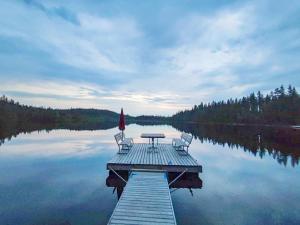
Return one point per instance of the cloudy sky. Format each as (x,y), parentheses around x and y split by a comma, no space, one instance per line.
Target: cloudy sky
(150,57)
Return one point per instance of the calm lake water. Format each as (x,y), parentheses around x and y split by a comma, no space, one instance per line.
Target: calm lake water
(59,177)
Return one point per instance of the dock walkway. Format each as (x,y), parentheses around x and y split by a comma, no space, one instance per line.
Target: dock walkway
(165,158)
(145,200)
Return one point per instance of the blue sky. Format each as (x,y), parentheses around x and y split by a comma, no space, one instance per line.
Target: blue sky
(150,57)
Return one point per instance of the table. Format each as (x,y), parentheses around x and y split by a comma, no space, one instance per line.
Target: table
(152,136)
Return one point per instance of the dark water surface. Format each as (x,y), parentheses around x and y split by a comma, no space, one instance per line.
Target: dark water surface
(250,176)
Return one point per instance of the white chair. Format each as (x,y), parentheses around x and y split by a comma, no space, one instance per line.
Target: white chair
(123,143)
(182,143)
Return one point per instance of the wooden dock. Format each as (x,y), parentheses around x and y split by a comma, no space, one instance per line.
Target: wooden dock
(145,200)
(146,197)
(164,158)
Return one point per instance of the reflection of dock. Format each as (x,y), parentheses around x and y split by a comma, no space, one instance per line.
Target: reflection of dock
(164,158)
(146,177)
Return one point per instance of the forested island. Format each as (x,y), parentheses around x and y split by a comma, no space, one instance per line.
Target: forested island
(279,107)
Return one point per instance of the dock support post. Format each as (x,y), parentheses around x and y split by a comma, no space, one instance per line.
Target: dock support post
(177,177)
(118,175)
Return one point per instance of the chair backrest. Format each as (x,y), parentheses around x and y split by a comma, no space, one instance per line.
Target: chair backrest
(187,138)
(118,137)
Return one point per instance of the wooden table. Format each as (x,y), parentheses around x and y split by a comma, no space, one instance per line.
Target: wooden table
(152,136)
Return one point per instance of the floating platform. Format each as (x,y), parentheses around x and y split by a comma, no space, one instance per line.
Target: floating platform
(164,158)
(145,200)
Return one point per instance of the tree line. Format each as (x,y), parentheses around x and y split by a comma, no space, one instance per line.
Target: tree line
(16,118)
(280,107)
(11,111)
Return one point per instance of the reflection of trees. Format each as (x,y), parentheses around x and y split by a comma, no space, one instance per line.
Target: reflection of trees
(12,130)
(279,142)
(6,133)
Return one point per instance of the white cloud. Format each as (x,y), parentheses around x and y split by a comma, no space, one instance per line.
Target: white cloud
(209,51)
(66,94)
(213,55)
(215,42)
(96,44)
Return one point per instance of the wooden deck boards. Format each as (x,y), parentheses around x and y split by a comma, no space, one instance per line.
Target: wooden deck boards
(164,158)
(145,200)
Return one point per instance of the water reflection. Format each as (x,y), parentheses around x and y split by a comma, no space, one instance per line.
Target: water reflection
(60,177)
(7,133)
(282,143)
(59,143)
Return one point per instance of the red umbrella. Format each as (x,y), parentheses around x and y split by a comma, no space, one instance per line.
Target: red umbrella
(122,122)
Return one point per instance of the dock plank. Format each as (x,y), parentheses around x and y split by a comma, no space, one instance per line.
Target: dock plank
(145,200)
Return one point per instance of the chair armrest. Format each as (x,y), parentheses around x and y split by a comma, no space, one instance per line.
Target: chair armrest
(173,141)
(131,139)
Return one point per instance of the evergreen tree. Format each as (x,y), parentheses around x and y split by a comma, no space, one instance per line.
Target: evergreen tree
(278,107)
